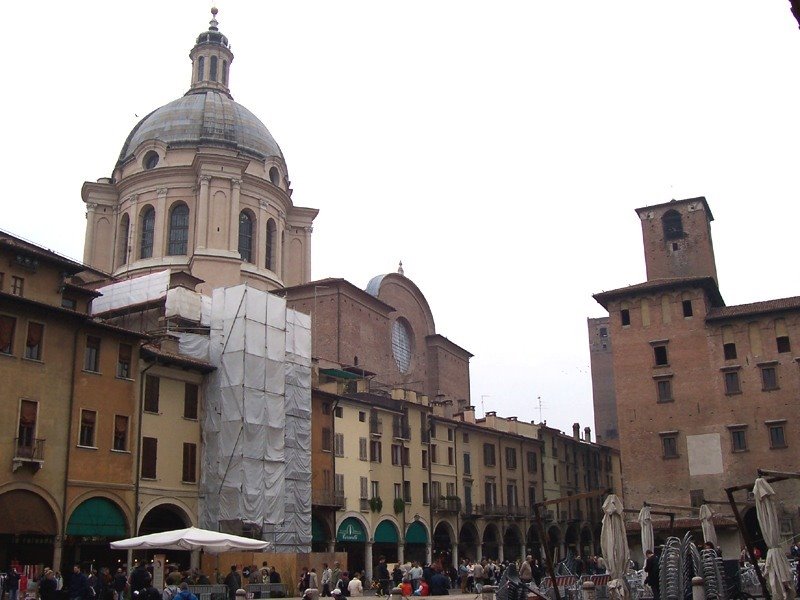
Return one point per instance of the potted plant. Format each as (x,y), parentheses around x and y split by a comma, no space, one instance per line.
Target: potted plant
(399,505)
(376,504)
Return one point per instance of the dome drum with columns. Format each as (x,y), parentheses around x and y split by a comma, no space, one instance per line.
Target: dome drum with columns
(200,185)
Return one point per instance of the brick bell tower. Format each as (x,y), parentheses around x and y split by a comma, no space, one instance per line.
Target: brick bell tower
(677,239)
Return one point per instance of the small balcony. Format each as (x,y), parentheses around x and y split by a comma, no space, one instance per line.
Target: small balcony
(471,511)
(517,511)
(375,427)
(446,505)
(28,452)
(363,504)
(328,498)
(401,432)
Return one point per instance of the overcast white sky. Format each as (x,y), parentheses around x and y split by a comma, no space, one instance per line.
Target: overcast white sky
(497,148)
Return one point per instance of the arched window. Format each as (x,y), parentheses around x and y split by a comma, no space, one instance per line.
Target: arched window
(122,240)
(274,176)
(148,224)
(225,72)
(272,230)
(673,225)
(201,68)
(178,230)
(246,236)
(213,75)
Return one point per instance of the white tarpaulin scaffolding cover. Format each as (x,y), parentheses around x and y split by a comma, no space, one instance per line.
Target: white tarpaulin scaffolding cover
(256,462)
(131,292)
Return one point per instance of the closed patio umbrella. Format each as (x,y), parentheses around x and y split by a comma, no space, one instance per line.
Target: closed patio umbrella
(706,522)
(614,545)
(777,573)
(646,525)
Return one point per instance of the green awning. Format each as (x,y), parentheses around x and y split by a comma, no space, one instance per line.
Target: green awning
(97,517)
(416,534)
(386,533)
(317,531)
(351,530)
(338,374)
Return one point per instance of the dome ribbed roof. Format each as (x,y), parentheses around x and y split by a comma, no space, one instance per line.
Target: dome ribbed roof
(207,117)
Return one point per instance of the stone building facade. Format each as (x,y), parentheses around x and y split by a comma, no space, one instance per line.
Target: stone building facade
(706,393)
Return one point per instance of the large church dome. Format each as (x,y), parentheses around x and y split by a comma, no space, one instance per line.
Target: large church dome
(207,114)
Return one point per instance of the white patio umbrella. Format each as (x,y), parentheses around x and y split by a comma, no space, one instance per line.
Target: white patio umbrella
(191,538)
(646,524)
(777,573)
(614,545)
(706,522)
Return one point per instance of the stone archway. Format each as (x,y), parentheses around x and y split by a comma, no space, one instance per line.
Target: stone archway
(533,542)
(491,541)
(164,517)
(443,541)
(28,528)
(587,542)
(571,539)
(512,543)
(468,544)
(554,542)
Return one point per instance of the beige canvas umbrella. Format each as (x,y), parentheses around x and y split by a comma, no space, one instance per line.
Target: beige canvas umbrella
(614,545)
(646,525)
(706,522)
(776,571)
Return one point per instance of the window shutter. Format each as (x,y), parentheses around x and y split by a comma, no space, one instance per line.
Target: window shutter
(189,462)
(190,401)
(6,333)
(35,331)
(151,393)
(149,457)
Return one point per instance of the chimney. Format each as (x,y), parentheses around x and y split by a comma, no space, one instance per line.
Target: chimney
(587,434)
(576,431)
(512,425)
(468,416)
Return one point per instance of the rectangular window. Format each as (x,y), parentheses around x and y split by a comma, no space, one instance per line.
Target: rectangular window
(424,459)
(406,457)
(189,463)
(729,350)
(338,412)
(625,317)
(783,343)
(151,393)
(327,441)
(533,463)
(407,491)
(362,448)
(363,487)
(120,433)
(465,438)
(425,493)
(26,431)
(362,416)
(467,464)
(70,303)
(739,440)
(769,378)
(433,430)
(17,285)
(660,355)
(338,482)
(451,489)
(7,326)
(338,444)
(87,430)
(732,385)
(490,493)
(375,451)
(531,495)
(687,308)
(395,454)
(434,454)
(664,389)
(468,497)
(777,435)
(511,458)
(449,435)
(398,491)
(149,457)
(603,332)
(511,494)
(326,408)
(33,343)
(669,446)
(91,355)
(488,455)
(124,361)
(450,456)
(190,401)
(376,489)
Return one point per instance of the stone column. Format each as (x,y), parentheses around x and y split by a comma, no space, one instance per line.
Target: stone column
(500,552)
(58,549)
(194,559)
(306,275)
(401,547)
(523,551)
(88,243)
(429,553)
(332,548)
(368,560)
(161,223)
(233,225)
(454,555)
(201,218)
(263,217)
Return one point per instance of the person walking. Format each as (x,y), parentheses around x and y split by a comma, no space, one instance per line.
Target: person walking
(526,571)
(651,568)
(12,584)
(78,585)
(326,580)
(382,574)
(233,581)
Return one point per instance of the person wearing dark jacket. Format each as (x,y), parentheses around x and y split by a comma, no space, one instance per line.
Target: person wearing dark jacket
(48,585)
(651,568)
(382,574)
(439,585)
(139,578)
(78,585)
(233,581)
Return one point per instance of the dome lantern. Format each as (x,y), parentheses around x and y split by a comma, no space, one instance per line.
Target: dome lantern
(211,60)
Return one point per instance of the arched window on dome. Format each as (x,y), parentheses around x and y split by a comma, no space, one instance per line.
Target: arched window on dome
(213,75)
(178,230)
(224,72)
(246,221)
(673,225)
(274,176)
(122,240)
(147,228)
(201,68)
(272,231)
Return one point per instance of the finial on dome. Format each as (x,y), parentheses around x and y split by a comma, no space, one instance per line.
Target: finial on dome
(212,24)
(400,268)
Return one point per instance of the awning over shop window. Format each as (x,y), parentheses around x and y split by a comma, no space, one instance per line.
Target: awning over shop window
(386,533)
(416,534)
(338,374)
(97,517)
(317,531)
(351,530)
(25,512)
